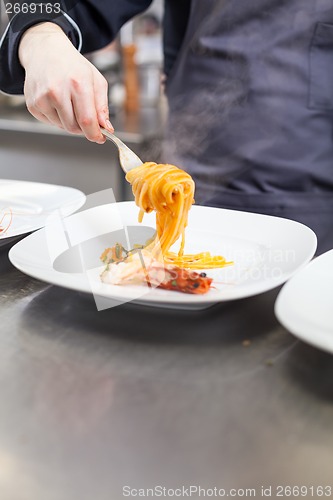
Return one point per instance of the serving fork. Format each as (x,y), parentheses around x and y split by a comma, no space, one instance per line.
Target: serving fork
(127,158)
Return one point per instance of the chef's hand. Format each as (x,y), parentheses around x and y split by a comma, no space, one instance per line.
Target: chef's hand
(61,86)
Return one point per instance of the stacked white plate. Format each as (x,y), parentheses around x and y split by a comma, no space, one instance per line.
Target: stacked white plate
(305,304)
(25,206)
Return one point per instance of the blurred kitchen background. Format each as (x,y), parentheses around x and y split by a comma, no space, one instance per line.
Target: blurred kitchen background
(30,150)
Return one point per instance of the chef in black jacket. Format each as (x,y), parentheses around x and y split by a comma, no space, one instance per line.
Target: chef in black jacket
(249,85)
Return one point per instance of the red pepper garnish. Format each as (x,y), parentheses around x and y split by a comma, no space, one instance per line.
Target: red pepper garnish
(183,280)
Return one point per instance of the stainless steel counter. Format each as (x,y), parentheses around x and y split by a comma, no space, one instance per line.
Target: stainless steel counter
(134,396)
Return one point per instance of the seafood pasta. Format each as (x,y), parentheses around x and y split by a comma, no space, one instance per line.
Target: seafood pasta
(169,191)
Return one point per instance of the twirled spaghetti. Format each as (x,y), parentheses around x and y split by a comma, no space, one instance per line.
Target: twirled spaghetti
(169,191)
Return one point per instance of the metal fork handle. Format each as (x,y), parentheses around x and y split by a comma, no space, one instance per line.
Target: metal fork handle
(128,159)
(113,138)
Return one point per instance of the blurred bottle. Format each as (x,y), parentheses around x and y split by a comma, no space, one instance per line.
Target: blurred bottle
(131,78)
(149,58)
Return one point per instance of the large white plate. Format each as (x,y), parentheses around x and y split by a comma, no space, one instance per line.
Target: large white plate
(28,204)
(305,304)
(266,251)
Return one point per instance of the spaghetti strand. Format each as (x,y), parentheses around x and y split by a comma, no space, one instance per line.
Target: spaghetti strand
(169,191)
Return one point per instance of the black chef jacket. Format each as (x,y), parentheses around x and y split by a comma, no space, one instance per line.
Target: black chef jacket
(90,25)
(250,96)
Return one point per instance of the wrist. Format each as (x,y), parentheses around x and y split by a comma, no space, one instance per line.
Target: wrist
(35,36)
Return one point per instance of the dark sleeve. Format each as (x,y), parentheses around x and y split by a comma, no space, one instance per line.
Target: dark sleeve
(89,24)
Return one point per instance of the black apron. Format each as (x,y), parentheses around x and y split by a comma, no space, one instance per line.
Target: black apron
(251,108)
